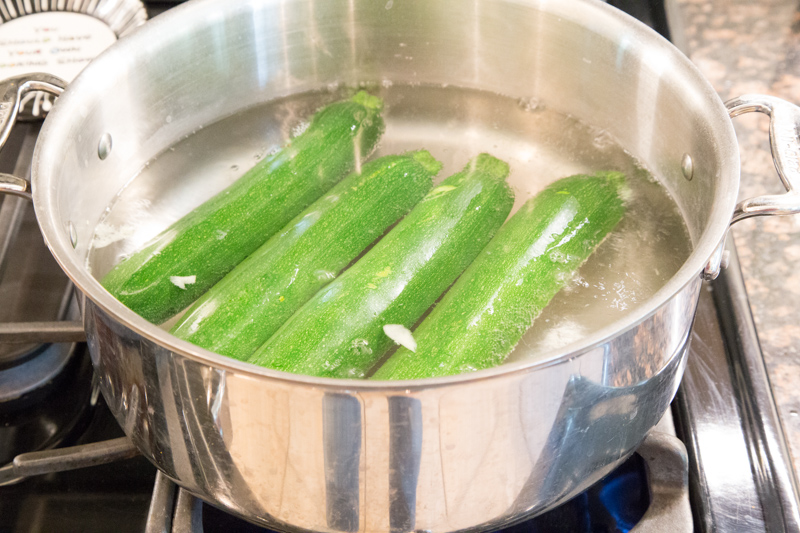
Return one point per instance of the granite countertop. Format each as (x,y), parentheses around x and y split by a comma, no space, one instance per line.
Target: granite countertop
(754,47)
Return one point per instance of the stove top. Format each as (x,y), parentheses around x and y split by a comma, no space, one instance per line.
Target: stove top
(721,466)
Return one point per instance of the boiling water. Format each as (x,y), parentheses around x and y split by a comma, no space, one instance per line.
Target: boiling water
(540,145)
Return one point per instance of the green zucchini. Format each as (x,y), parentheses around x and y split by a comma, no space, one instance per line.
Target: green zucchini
(339,332)
(243,310)
(185,260)
(486,312)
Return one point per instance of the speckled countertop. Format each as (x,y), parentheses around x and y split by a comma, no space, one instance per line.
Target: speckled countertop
(743,46)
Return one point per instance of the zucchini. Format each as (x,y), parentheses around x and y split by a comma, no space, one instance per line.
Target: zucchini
(339,332)
(486,312)
(185,260)
(246,307)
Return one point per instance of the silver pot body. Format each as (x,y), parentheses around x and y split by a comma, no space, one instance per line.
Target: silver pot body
(465,452)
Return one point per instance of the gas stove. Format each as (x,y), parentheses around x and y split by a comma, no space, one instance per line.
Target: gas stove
(717,462)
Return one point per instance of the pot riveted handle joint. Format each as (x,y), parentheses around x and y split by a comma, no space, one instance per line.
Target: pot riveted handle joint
(784,137)
(15,186)
(12,91)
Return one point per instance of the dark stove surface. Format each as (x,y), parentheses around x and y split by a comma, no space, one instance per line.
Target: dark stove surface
(113,497)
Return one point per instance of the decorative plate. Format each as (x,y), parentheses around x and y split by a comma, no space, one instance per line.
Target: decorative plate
(59,37)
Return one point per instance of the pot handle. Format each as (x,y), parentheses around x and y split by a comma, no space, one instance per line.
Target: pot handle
(784,138)
(12,91)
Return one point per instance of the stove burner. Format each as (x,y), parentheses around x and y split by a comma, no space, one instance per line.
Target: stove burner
(34,372)
(56,410)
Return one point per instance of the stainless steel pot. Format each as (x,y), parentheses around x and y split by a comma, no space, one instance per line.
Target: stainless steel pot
(466,452)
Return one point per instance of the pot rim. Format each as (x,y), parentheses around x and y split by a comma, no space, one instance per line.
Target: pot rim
(45,166)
